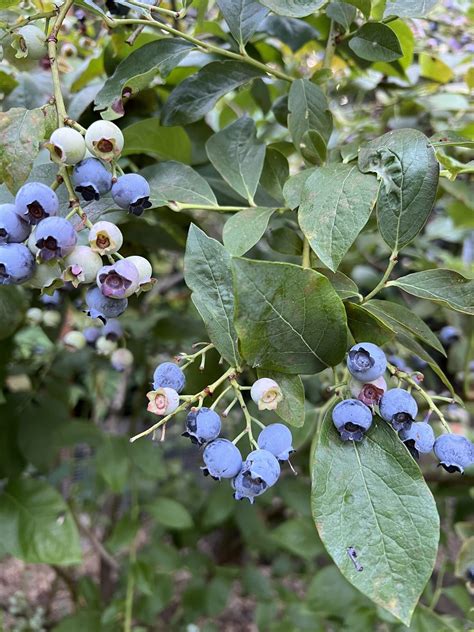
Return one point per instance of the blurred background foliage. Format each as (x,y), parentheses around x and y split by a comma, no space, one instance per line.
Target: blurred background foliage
(142,522)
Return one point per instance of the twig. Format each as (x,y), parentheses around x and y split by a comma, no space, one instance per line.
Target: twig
(392,262)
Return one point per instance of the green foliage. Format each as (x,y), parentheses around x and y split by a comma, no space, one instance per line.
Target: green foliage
(308,164)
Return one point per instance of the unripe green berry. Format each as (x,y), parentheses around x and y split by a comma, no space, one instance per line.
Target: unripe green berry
(67,146)
(82,265)
(105,140)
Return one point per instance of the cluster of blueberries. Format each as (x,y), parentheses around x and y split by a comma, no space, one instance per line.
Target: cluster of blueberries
(222,458)
(40,247)
(353,417)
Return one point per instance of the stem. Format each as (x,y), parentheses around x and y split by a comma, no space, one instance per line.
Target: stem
(192,358)
(208,390)
(176,15)
(330,46)
(414,384)
(29,19)
(248,418)
(220,396)
(306,263)
(210,48)
(52,40)
(206,207)
(392,262)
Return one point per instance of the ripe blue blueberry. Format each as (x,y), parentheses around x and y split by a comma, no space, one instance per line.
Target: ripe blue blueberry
(55,238)
(170,375)
(119,280)
(277,439)
(399,363)
(100,306)
(112,330)
(260,471)
(419,438)
(352,419)
(12,228)
(51,300)
(366,361)
(222,459)
(36,201)
(91,179)
(454,452)
(17,264)
(449,334)
(132,192)
(202,425)
(91,334)
(399,408)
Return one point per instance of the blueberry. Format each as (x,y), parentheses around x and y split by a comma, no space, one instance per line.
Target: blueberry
(454,452)
(202,425)
(30,41)
(12,228)
(449,334)
(51,300)
(105,140)
(36,201)
(366,361)
(121,359)
(369,393)
(277,439)
(82,265)
(119,280)
(91,179)
(352,419)
(470,574)
(222,459)
(74,340)
(399,408)
(132,192)
(113,330)
(162,401)
(419,438)
(55,238)
(91,334)
(399,363)
(266,393)
(17,264)
(169,374)
(144,271)
(260,471)
(105,238)
(99,306)
(66,146)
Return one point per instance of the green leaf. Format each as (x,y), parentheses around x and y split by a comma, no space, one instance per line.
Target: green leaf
(435,69)
(245,228)
(372,497)
(243,17)
(207,272)
(448,138)
(336,204)
(297,536)
(12,309)
(405,162)
(218,508)
(309,119)
(375,41)
(344,286)
(445,287)
(238,156)
(170,513)
(291,408)
(342,13)
(465,558)
(364,6)
(21,134)
(408,8)
(37,526)
(174,182)
(289,319)
(136,71)
(113,463)
(292,32)
(293,189)
(274,174)
(365,326)
(404,320)
(294,8)
(198,94)
(164,143)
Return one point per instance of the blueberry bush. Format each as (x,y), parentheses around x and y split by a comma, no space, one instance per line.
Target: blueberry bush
(250,223)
